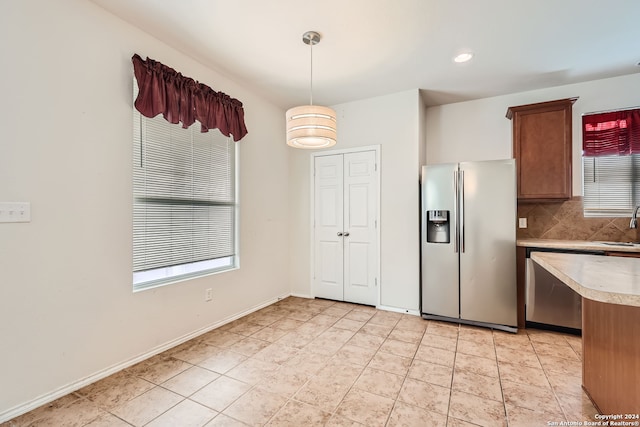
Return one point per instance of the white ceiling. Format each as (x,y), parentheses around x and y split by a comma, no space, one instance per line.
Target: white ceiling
(377,47)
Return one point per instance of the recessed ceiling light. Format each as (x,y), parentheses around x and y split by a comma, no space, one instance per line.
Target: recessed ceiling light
(463,57)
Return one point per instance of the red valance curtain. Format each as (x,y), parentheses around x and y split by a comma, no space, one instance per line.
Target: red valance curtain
(183,100)
(612,133)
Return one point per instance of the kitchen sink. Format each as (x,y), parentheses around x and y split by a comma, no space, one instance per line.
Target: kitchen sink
(620,243)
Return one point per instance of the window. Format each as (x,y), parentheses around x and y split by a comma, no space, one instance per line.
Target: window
(184,202)
(611,163)
(611,185)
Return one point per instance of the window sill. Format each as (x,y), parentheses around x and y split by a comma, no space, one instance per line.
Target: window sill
(143,285)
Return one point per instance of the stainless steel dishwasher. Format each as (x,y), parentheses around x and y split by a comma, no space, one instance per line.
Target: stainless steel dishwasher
(549,303)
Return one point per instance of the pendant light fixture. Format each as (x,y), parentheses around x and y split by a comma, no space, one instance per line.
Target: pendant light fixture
(311,126)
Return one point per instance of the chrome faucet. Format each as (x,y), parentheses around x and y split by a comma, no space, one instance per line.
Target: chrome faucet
(634,218)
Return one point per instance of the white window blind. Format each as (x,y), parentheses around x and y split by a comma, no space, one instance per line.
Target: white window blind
(184,206)
(611,185)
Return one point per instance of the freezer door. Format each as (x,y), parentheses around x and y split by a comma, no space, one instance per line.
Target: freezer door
(440,290)
(488,242)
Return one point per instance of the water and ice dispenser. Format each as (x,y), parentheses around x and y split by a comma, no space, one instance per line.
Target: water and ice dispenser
(438,227)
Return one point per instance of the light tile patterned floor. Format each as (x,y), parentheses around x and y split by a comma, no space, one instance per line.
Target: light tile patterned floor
(305,362)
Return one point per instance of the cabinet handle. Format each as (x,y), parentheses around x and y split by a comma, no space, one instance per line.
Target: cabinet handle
(339,234)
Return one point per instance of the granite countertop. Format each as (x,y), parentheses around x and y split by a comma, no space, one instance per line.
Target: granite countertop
(576,245)
(614,280)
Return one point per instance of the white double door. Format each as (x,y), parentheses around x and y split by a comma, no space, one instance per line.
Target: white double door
(346,191)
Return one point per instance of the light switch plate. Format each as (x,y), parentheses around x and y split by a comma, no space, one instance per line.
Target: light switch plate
(522,222)
(15,212)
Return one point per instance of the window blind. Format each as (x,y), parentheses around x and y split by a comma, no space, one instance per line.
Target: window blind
(611,185)
(184,204)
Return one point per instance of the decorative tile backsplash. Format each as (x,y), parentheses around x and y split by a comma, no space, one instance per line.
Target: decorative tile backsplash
(566,221)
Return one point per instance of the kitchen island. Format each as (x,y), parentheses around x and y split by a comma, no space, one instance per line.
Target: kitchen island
(610,290)
(526,245)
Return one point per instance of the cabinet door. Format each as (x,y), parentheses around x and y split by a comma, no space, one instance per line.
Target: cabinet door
(542,149)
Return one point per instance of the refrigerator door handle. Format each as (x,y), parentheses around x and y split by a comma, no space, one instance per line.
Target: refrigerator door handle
(455,210)
(462,211)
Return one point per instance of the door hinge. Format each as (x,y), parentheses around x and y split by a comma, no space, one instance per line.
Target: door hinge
(376,281)
(375,223)
(375,167)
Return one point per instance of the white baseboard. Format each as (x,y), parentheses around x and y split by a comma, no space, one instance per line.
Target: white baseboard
(380,307)
(76,385)
(307,296)
(398,310)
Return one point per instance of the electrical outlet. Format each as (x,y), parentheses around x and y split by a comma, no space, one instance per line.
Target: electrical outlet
(208,294)
(522,222)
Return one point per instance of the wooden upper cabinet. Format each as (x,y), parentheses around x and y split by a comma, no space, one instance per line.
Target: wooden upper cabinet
(542,149)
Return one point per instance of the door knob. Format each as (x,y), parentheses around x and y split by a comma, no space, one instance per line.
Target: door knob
(339,234)
(346,234)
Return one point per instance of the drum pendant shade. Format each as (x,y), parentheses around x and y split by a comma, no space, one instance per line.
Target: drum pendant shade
(311,126)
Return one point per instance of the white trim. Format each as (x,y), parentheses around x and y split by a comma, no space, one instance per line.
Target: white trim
(76,385)
(312,159)
(236,237)
(307,296)
(398,310)
(346,151)
(378,221)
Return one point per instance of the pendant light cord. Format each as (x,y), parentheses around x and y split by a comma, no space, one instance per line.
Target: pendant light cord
(311,78)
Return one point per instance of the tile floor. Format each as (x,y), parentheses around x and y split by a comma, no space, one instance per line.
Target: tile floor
(303,362)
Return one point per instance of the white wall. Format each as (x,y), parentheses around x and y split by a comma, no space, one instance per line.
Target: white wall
(393,122)
(422,134)
(479,130)
(67,310)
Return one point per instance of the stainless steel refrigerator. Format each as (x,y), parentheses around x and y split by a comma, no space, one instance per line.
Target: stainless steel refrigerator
(468,239)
